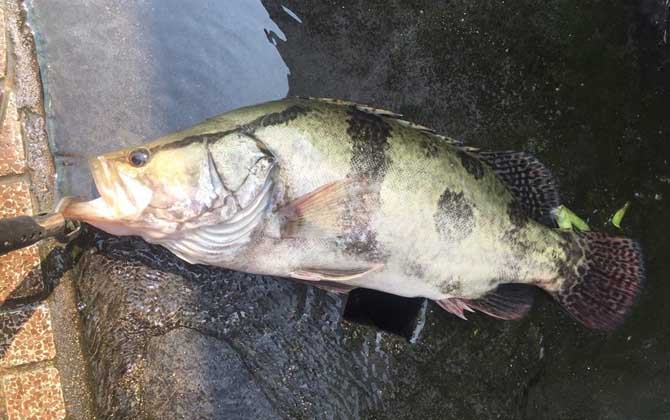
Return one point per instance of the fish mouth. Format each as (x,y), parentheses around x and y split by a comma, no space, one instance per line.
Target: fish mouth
(99,209)
(103,180)
(115,203)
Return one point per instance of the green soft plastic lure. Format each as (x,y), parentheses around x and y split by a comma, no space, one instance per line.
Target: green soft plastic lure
(618,216)
(567,219)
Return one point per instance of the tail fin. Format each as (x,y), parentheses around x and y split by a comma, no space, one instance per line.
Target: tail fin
(604,283)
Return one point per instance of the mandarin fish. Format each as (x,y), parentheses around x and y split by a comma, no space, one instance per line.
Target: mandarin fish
(342,195)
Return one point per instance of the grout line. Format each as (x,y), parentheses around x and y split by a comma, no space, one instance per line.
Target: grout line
(28,301)
(5,101)
(27,367)
(7,82)
(14,178)
(24,142)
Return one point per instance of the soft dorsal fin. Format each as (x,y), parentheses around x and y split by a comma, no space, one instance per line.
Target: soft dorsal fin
(529,181)
(508,301)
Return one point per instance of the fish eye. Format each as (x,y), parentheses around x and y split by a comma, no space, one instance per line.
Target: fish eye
(139,157)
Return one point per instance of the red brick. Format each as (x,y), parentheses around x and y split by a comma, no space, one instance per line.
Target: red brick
(12,153)
(26,336)
(15,199)
(34,395)
(20,273)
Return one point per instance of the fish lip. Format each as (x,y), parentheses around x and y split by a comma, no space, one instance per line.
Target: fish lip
(102,179)
(125,198)
(98,209)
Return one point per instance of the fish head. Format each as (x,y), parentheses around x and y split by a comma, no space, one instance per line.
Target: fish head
(161,187)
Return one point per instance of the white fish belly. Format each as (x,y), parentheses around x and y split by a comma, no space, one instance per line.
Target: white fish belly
(398,283)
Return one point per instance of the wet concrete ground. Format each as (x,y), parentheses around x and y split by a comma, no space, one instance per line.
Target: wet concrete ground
(582,85)
(167,339)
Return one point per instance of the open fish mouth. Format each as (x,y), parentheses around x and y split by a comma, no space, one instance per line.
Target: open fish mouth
(98,209)
(103,182)
(120,197)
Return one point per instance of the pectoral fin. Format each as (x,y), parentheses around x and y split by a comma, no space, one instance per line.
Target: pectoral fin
(331,210)
(331,274)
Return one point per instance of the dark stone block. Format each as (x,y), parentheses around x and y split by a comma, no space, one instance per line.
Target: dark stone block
(189,374)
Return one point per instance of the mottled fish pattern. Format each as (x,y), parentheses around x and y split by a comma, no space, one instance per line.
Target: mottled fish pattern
(343,195)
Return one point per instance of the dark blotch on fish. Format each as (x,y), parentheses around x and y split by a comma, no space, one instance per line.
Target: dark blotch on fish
(451,288)
(359,238)
(276,118)
(267,120)
(200,138)
(414,269)
(471,164)
(369,140)
(369,137)
(517,214)
(454,218)
(429,146)
(364,244)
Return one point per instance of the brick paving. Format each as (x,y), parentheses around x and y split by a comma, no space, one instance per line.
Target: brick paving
(35,394)
(26,336)
(20,273)
(30,382)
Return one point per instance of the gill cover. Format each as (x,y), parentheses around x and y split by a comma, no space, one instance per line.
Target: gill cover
(199,196)
(241,171)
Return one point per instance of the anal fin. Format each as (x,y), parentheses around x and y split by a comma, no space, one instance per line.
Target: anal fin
(529,181)
(509,301)
(456,306)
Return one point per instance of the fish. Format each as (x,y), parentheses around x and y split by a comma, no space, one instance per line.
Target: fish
(341,195)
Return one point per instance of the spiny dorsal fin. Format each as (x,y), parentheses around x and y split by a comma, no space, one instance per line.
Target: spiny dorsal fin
(360,107)
(416,126)
(508,301)
(451,140)
(388,114)
(529,181)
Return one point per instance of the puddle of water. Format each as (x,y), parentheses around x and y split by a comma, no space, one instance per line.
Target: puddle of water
(119,73)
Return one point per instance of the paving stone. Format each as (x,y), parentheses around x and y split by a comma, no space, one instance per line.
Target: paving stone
(15,199)
(26,336)
(12,154)
(20,273)
(35,394)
